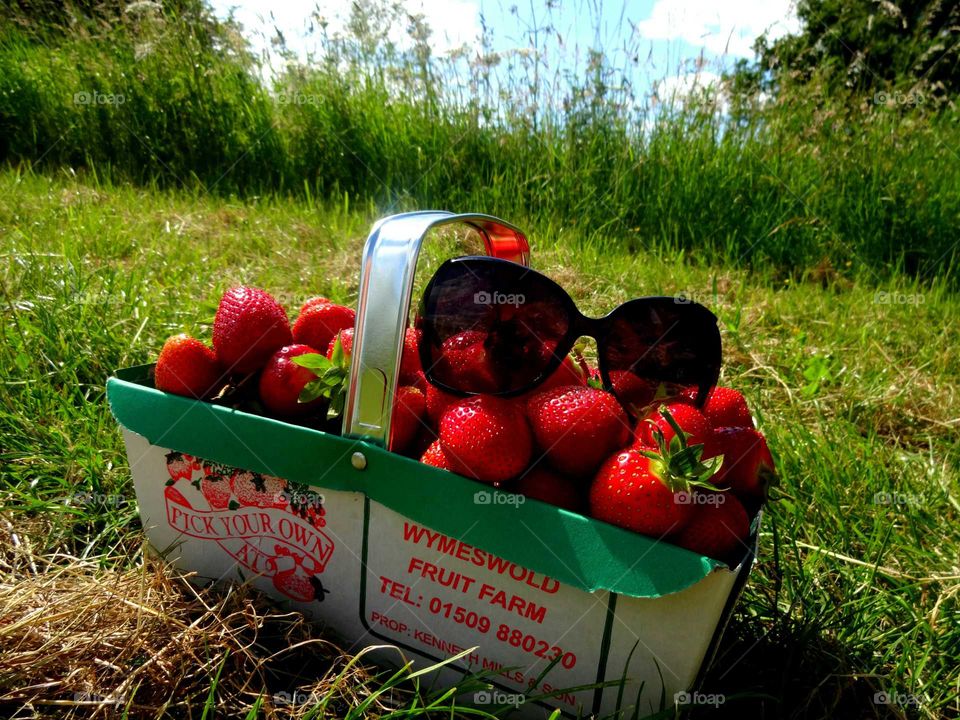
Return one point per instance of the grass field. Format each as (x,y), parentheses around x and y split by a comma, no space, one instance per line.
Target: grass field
(854,378)
(175,100)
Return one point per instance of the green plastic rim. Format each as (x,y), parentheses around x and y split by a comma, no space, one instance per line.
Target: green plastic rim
(576,550)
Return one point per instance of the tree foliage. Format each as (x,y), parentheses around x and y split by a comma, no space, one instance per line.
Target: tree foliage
(907,51)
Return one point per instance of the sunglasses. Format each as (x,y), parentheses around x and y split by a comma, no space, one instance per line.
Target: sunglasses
(495,327)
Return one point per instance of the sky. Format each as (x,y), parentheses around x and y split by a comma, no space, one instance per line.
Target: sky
(680,42)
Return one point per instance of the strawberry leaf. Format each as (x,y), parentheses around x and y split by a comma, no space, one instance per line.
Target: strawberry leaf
(337,356)
(313,361)
(336,404)
(311,391)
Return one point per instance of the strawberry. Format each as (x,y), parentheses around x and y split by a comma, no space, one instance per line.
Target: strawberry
(410,357)
(318,300)
(419,381)
(718,527)
(486,438)
(435,456)
(187,367)
(633,391)
(648,491)
(437,402)
(464,357)
(346,342)
(725,407)
(282,380)
(216,490)
(747,468)
(637,393)
(409,409)
(695,426)
(630,491)
(545,485)
(411,373)
(256,490)
(318,324)
(248,328)
(569,373)
(180,466)
(577,427)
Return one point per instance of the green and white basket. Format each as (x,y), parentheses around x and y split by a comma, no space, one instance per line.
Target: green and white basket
(380,549)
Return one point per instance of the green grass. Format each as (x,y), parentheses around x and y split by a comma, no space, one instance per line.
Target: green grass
(854,378)
(799,183)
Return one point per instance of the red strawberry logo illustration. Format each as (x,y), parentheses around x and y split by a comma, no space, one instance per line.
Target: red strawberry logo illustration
(228,492)
(256,490)
(216,490)
(298,582)
(306,504)
(180,466)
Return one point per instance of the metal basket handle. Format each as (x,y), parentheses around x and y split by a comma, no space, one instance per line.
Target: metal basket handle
(383,307)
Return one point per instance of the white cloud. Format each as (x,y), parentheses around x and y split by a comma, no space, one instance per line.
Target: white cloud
(678,86)
(453,22)
(719,27)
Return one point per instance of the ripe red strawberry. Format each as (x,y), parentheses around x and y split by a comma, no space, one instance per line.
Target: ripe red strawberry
(648,490)
(548,486)
(216,490)
(633,392)
(282,380)
(577,427)
(569,373)
(486,438)
(697,428)
(633,492)
(410,357)
(636,393)
(437,402)
(419,381)
(464,357)
(318,324)
(725,407)
(435,456)
(346,342)
(718,527)
(256,490)
(410,369)
(747,468)
(409,410)
(248,328)
(187,367)
(318,300)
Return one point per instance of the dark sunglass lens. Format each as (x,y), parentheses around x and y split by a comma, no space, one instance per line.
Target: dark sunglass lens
(490,326)
(659,346)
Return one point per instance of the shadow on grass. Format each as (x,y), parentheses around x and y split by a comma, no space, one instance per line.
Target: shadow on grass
(790,669)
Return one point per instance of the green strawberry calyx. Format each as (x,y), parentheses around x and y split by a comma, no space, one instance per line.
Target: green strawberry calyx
(331,378)
(679,465)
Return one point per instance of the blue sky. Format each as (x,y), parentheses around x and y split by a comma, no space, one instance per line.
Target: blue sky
(676,40)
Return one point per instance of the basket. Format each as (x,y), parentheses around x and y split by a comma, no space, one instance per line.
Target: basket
(557,609)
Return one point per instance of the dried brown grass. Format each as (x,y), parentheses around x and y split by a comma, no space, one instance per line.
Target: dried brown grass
(79,639)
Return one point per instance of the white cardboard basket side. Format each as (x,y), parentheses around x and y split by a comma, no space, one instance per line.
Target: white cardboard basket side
(371,576)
